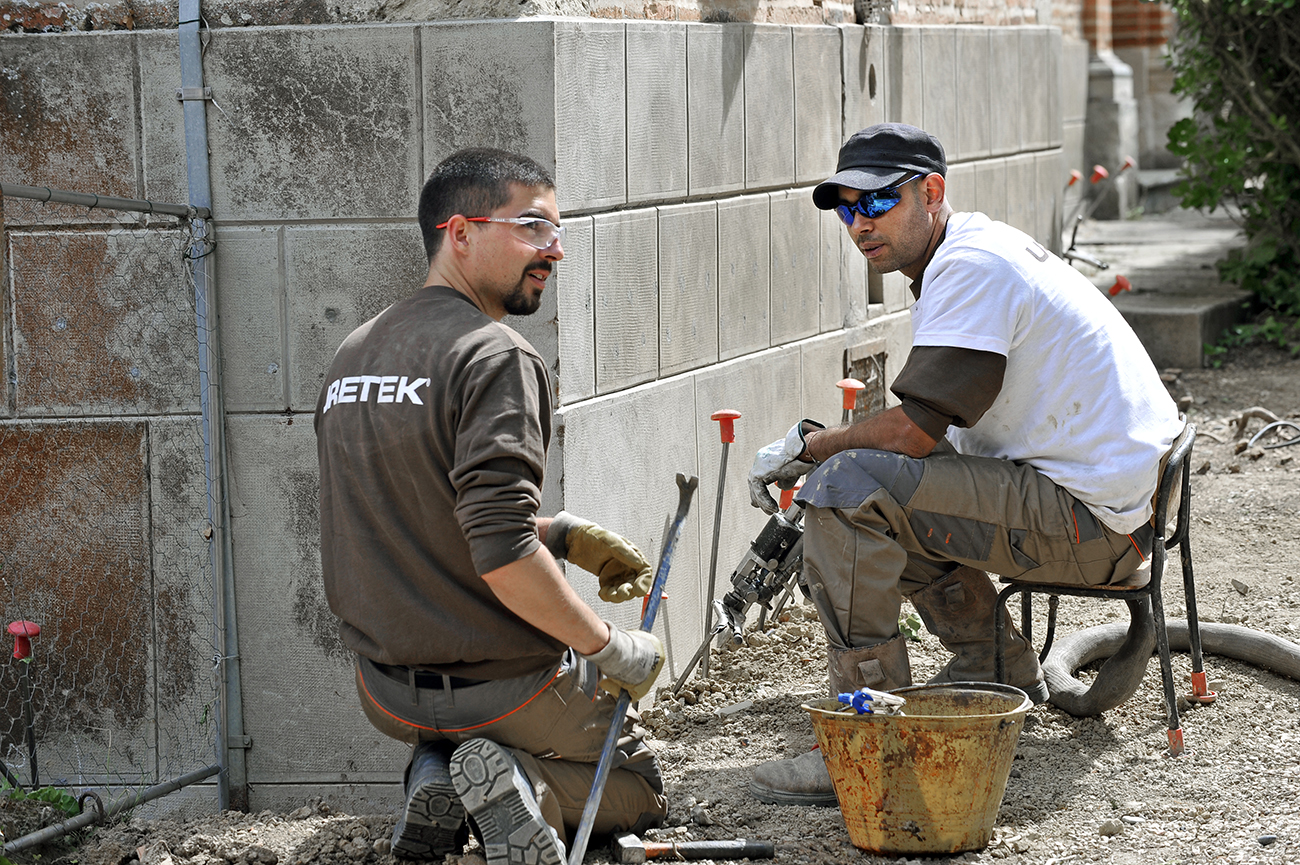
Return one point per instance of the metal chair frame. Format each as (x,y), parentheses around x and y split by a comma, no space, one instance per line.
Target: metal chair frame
(1176,470)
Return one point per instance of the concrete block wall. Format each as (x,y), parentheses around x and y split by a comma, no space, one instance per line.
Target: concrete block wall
(697,274)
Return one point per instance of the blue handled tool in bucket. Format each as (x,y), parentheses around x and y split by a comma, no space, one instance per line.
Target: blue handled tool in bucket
(868,701)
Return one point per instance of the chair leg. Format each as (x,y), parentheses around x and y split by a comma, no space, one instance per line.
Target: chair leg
(1175,731)
(1201,692)
(1053,601)
(1027,617)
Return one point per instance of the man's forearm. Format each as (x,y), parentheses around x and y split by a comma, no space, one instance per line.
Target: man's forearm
(890,430)
(534,590)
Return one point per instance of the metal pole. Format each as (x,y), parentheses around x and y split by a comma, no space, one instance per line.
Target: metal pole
(108,202)
(85,818)
(232,783)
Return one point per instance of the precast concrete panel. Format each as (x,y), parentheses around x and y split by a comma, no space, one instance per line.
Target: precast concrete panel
(295,668)
(627,299)
(795,265)
(1006,115)
(377,798)
(103,323)
(769,105)
(818,90)
(940,76)
(68,113)
(765,389)
(656,111)
(688,287)
(991,188)
(865,85)
(336,279)
(830,296)
(305,104)
(590,121)
(1036,95)
(251,309)
(906,76)
(715,99)
(974,134)
(960,187)
(162,118)
(821,365)
(575,289)
(1022,193)
(744,275)
(1049,171)
(1074,81)
(621,454)
(489,84)
(1055,76)
(894,291)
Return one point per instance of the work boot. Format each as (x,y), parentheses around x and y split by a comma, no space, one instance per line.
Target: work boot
(433,822)
(959,610)
(804,780)
(501,802)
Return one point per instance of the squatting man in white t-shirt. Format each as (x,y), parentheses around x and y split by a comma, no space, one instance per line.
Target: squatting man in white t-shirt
(1027,444)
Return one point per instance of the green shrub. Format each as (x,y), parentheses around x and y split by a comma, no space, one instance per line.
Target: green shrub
(1237,60)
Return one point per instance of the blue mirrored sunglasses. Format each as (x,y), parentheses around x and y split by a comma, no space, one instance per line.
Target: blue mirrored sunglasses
(873,205)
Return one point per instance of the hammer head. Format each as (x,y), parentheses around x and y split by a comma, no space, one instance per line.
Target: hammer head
(628,849)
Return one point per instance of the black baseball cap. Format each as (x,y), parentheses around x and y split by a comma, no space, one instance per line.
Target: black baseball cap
(881,156)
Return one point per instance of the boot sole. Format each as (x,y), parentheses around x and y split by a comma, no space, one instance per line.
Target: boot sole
(433,823)
(500,800)
(764,793)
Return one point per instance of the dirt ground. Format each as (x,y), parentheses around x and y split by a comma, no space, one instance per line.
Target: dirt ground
(1081,789)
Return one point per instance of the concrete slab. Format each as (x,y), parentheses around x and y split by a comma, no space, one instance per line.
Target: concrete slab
(1050,171)
(322,308)
(818,94)
(821,365)
(656,111)
(162,118)
(939,101)
(250,303)
(991,188)
(620,424)
(894,292)
(1006,118)
(715,94)
(744,275)
(1022,192)
(627,299)
(575,290)
(795,259)
(905,78)
(1175,328)
(591,122)
(488,84)
(1056,71)
(960,187)
(1037,75)
(974,132)
(379,797)
(864,74)
(769,95)
(300,102)
(295,667)
(765,389)
(688,287)
(68,115)
(88,337)
(831,304)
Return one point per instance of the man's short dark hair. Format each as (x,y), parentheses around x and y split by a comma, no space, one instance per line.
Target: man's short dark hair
(473,182)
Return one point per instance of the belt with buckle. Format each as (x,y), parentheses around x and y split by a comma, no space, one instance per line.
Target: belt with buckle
(425,678)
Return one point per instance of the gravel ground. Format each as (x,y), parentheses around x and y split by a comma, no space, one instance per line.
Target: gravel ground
(1081,789)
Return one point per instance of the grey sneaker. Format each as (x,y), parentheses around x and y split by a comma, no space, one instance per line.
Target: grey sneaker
(500,801)
(433,822)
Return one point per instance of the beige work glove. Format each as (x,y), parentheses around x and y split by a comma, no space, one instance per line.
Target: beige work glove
(622,570)
(630,661)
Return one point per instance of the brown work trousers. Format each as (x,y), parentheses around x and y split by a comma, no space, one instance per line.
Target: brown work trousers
(555,723)
(880,526)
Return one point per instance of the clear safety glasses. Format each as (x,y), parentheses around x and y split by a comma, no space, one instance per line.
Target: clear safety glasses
(873,205)
(533,230)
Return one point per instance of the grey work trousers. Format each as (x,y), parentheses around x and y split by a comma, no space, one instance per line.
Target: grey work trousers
(880,526)
(555,723)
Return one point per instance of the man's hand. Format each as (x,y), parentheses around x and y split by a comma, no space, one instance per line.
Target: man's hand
(622,570)
(630,661)
(782,462)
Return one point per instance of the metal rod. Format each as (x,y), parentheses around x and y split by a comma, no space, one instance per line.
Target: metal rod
(107,202)
(29,717)
(85,818)
(713,556)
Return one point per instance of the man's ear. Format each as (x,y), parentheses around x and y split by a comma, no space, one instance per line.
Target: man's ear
(934,187)
(456,233)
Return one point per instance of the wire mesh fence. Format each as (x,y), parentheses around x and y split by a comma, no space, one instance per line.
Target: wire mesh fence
(107,585)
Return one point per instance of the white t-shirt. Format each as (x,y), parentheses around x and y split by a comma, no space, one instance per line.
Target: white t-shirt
(1081,400)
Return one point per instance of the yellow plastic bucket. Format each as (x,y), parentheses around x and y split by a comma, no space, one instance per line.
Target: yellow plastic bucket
(930,780)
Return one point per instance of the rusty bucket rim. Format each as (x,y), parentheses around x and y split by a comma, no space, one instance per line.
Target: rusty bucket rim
(816,706)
